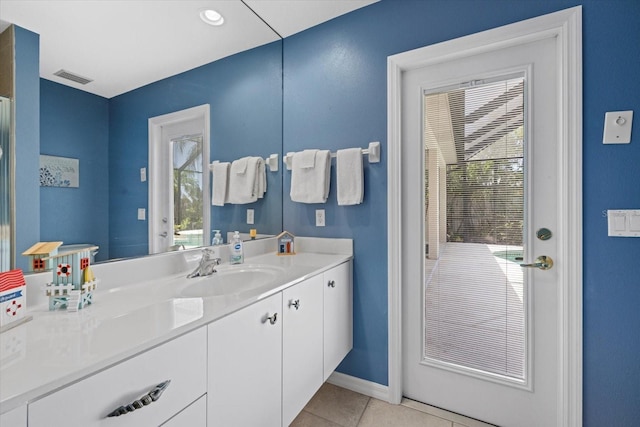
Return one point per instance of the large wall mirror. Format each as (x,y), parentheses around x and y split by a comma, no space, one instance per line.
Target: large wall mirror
(102,139)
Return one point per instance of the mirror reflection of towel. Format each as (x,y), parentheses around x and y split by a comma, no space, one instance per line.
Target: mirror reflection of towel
(310,180)
(220,172)
(247,181)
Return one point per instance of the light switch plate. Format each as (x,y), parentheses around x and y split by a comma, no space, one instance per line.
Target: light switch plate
(142,214)
(250,216)
(624,222)
(143,174)
(617,127)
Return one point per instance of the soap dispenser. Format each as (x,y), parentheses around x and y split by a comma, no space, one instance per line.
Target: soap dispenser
(237,253)
(217,238)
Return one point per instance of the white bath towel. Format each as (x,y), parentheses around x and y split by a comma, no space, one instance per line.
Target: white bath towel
(220,171)
(310,184)
(349,176)
(242,181)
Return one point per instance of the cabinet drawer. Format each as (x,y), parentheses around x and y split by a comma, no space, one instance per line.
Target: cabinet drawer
(194,415)
(88,402)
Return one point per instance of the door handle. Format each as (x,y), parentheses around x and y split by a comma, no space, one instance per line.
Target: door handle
(543,262)
(163,234)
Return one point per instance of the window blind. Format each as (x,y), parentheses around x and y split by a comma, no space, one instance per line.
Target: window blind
(474,311)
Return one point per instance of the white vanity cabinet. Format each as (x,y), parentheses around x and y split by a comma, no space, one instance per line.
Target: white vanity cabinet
(245,366)
(338,315)
(267,360)
(15,418)
(301,345)
(86,403)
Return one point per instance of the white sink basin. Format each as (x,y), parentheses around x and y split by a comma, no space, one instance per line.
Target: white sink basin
(232,280)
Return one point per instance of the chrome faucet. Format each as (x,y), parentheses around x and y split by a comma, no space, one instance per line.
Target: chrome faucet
(207,265)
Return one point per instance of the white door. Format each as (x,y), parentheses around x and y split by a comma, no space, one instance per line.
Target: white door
(179,209)
(480,333)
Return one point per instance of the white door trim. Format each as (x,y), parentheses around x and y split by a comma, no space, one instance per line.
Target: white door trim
(155,140)
(566,27)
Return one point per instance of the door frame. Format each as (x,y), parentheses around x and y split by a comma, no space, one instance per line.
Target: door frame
(566,27)
(155,140)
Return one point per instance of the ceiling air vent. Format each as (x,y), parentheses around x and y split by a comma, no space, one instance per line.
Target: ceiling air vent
(74,77)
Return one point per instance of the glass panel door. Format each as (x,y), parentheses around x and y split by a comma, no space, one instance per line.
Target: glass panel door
(474,297)
(187,192)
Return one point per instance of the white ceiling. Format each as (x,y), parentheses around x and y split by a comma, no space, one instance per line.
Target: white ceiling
(125,44)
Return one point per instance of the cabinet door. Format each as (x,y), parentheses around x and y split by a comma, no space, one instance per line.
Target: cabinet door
(338,316)
(88,402)
(15,418)
(194,415)
(301,346)
(245,367)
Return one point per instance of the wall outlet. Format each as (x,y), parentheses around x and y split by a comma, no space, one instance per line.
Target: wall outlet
(319,217)
(142,214)
(249,216)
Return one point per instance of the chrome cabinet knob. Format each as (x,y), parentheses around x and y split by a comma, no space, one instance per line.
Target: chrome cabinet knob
(295,304)
(272,319)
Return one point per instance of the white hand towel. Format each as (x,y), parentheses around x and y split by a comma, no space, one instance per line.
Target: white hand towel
(307,158)
(242,180)
(240,165)
(310,184)
(220,183)
(261,178)
(350,176)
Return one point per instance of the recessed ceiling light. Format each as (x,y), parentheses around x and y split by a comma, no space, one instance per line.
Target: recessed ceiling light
(211,17)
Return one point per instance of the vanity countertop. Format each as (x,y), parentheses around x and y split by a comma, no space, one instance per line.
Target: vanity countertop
(58,348)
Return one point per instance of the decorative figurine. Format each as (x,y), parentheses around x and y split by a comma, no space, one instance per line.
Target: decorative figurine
(13,298)
(285,243)
(73,280)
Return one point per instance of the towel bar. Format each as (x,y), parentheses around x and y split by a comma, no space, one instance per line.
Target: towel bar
(373,152)
(271,162)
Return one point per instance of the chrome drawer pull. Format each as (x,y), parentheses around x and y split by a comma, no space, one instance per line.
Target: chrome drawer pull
(332,283)
(145,400)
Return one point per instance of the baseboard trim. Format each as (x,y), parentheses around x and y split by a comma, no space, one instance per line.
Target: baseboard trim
(368,388)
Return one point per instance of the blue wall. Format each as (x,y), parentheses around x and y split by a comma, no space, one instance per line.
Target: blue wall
(27,141)
(335,97)
(75,124)
(244,92)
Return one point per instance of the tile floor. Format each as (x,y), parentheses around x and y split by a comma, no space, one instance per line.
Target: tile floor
(334,406)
